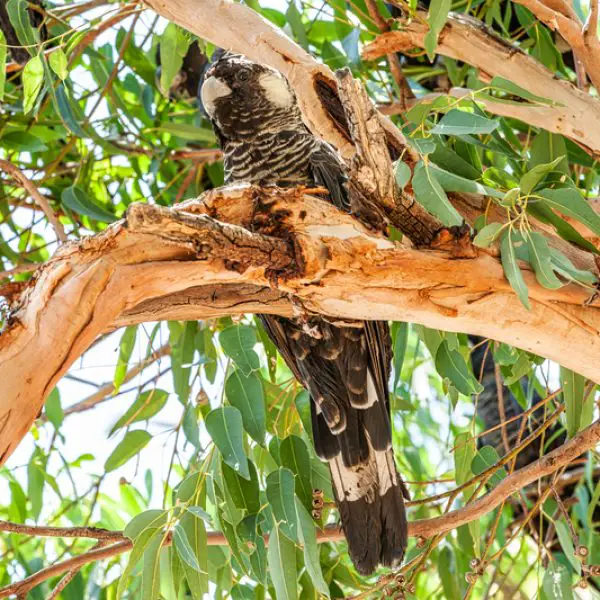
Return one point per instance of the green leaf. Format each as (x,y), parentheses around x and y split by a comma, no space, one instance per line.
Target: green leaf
(58,63)
(570,202)
(557,582)
(225,427)
(188,132)
(182,338)
(35,482)
(23,141)
(78,201)
(455,183)
(430,194)
(280,494)
(540,260)
(402,173)
(566,541)
(512,88)
(126,346)
(146,405)
(18,14)
(451,364)
(546,147)
(308,541)
(400,341)
(437,17)
(243,492)
(247,395)
(54,410)
(459,122)
(238,343)
(174,44)
(33,78)
(294,455)
(463,457)
(184,549)
(281,558)
(511,268)
(190,425)
(3,49)
(295,21)
(132,444)
(448,572)
(535,175)
(151,570)
(149,520)
(568,270)
(485,458)
(69,111)
(487,235)
(573,386)
(199,513)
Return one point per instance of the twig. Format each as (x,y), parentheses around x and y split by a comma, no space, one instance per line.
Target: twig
(107,389)
(501,410)
(32,190)
(96,533)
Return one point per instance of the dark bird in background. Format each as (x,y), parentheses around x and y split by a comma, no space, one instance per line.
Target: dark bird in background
(346,369)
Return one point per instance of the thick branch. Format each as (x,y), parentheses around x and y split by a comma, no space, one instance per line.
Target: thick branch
(164,264)
(575,113)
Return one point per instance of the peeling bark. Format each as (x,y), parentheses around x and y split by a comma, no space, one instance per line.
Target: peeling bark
(182,263)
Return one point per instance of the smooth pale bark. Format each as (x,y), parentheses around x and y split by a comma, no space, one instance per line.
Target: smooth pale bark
(574,113)
(164,264)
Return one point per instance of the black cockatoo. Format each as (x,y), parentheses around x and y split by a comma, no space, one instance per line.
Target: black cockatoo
(345,368)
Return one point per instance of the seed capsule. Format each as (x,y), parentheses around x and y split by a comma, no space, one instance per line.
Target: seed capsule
(581,551)
(471,577)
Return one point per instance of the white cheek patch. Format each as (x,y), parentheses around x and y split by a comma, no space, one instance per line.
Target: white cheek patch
(276,89)
(213,89)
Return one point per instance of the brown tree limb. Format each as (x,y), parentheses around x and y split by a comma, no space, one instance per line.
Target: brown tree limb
(183,264)
(16,174)
(424,528)
(467,39)
(104,391)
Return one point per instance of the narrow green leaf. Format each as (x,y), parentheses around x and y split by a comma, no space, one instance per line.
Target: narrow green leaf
(536,174)
(247,395)
(132,444)
(35,482)
(570,202)
(146,405)
(68,111)
(58,63)
(573,386)
(3,53)
(485,458)
(448,572)
(190,425)
(54,410)
(566,541)
(126,346)
(33,78)
(151,570)
(184,549)
(188,132)
(280,494)
(431,195)
(146,521)
(294,455)
(487,235)
(402,173)
(18,14)
(540,260)
(225,427)
(400,341)
(455,183)
(437,17)
(295,21)
(182,338)
(460,122)
(308,541)
(511,268)
(245,493)
(512,88)
(451,364)
(174,44)
(281,558)
(78,201)
(568,270)
(547,147)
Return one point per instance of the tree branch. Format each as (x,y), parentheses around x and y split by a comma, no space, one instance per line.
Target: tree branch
(184,264)
(32,190)
(467,39)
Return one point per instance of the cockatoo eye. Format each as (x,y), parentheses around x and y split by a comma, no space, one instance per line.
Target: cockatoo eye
(243,75)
